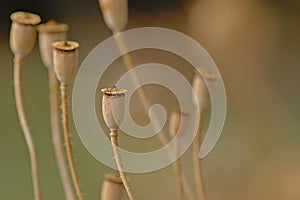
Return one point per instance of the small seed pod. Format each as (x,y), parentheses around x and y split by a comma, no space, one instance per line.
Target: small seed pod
(48,33)
(113,106)
(176,121)
(115,13)
(65,60)
(200,88)
(112,188)
(23,32)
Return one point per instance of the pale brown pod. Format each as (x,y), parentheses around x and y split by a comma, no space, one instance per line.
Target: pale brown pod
(48,33)
(23,32)
(176,121)
(113,106)
(65,60)
(115,13)
(200,88)
(112,188)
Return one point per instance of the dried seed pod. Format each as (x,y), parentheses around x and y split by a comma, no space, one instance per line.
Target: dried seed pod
(113,106)
(112,188)
(65,60)
(176,121)
(48,33)
(23,32)
(115,13)
(200,88)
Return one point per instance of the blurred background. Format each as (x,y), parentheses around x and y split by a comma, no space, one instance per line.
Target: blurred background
(256,46)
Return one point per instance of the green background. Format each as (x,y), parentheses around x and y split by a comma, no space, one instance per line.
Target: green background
(256,46)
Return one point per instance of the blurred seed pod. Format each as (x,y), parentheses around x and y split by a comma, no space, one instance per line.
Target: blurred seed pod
(23,32)
(113,106)
(202,97)
(115,13)
(176,121)
(112,188)
(65,60)
(48,33)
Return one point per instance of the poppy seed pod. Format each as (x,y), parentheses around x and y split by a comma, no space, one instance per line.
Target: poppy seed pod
(115,13)
(23,32)
(65,60)
(48,33)
(113,106)
(176,119)
(112,188)
(202,97)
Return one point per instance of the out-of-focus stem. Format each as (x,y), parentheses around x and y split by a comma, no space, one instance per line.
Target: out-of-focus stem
(64,105)
(56,140)
(114,141)
(145,103)
(178,173)
(196,161)
(25,128)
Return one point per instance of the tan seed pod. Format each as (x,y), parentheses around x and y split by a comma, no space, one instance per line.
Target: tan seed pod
(113,106)
(115,13)
(65,60)
(177,118)
(112,188)
(23,32)
(48,33)
(200,88)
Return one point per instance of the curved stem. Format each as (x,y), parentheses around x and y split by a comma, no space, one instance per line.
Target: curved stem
(196,162)
(56,140)
(64,104)
(146,105)
(141,93)
(114,141)
(25,128)
(178,173)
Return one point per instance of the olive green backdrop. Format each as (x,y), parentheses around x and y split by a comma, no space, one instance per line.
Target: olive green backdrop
(256,46)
